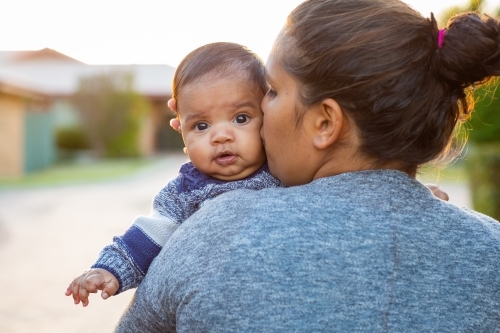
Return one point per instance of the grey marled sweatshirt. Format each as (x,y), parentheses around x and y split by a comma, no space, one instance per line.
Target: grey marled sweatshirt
(370,251)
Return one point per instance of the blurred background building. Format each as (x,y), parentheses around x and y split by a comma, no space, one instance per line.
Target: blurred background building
(37,106)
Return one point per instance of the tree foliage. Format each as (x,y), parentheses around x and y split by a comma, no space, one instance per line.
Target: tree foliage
(472,6)
(111,112)
(484,125)
(483,165)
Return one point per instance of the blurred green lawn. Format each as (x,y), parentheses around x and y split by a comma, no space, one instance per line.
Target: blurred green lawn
(80,172)
(98,170)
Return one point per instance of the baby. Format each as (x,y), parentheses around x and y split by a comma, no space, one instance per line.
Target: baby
(216,93)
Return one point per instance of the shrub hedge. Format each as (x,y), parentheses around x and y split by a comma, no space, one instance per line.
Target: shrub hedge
(483,157)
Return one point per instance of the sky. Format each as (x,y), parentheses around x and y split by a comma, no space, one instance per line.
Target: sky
(151,31)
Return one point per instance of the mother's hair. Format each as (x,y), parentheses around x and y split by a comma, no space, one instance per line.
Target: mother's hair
(380,60)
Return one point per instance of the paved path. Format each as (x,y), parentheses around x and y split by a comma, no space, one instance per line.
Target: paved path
(50,235)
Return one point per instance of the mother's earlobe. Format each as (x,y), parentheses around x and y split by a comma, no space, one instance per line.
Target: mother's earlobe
(328,124)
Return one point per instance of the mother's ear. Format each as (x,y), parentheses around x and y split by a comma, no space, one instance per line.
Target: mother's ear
(328,123)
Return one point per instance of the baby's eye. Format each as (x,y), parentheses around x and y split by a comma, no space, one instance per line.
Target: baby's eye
(241,119)
(201,126)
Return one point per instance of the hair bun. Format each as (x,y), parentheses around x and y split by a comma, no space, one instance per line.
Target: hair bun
(470,50)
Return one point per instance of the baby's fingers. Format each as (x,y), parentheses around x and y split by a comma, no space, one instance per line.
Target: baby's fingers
(438,193)
(83,293)
(110,288)
(90,282)
(94,281)
(68,291)
(73,289)
(79,293)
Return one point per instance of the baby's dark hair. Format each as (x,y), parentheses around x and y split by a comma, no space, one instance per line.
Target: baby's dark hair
(381,61)
(220,60)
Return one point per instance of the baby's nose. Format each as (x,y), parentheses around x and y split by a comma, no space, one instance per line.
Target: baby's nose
(223,134)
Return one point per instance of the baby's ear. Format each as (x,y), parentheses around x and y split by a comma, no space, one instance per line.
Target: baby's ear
(175,124)
(172,105)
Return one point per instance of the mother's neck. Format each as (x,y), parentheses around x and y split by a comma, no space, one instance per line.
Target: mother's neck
(335,143)
(339,162)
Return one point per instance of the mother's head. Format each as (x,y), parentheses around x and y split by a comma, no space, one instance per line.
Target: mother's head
(367,84)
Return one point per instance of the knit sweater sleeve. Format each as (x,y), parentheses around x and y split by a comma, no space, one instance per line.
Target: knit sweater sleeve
(131,254)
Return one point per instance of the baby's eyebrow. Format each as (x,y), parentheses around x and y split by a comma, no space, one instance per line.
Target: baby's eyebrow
(244,104)
(235,107)
(194,115)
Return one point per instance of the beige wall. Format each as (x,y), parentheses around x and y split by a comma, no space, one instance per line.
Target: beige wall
(12,110)
(146,139)
(151,125)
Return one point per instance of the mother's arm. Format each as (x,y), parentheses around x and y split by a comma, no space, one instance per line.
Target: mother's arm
(142,316)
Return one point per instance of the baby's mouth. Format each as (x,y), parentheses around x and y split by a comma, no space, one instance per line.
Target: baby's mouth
(225,158)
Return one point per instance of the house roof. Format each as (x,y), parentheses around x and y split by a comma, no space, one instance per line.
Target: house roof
(20,88)
(12,57)
(55,74)
(16,84)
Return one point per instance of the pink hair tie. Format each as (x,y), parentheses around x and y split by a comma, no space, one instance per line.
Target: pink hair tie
(442,33)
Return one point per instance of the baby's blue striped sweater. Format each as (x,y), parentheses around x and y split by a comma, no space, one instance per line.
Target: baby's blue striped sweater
(130,255)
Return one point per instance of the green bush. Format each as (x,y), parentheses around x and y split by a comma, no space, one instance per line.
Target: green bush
(483,166)
(72,138)
(483,156)
(111,113)
(484,125)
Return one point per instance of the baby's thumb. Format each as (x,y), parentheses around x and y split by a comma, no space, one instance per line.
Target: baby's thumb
(109,289)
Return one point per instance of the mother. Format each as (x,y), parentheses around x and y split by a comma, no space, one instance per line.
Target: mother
(363,92)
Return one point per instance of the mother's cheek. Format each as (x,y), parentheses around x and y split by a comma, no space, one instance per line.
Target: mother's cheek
(266,135)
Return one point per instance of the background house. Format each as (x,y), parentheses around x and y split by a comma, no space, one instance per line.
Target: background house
(26,127)
(35,87)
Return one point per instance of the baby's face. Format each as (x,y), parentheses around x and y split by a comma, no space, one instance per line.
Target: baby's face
(220,122)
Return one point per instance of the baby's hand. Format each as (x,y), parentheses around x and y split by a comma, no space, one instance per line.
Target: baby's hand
(438,193)
(91,281)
